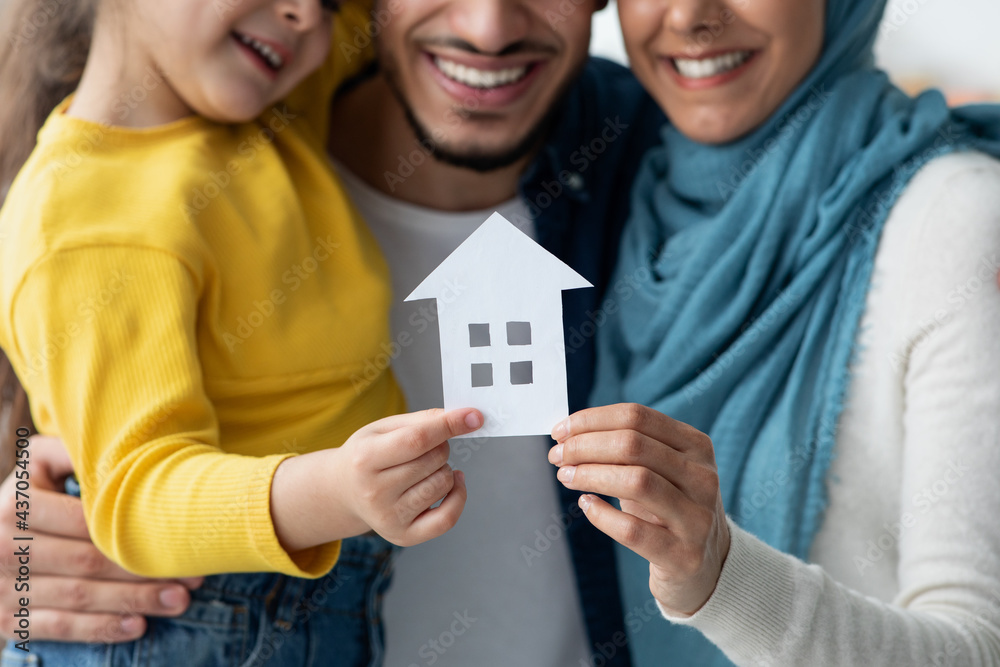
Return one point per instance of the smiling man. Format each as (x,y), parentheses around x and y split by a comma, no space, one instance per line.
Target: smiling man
(476,107)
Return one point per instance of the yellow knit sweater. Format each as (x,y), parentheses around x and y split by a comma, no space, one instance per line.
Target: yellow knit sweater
(187,306)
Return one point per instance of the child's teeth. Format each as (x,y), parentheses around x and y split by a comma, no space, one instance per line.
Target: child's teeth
(478,78)
(269,54)
(706,67)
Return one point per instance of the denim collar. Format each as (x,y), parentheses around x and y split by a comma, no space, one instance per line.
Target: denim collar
(566,135)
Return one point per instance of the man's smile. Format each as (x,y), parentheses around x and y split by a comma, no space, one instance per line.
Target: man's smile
(484,83)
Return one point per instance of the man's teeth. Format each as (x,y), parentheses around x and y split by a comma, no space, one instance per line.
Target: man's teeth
(266,52)
(706,67)
(479,78)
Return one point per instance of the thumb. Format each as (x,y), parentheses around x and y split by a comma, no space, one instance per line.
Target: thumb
(428,430)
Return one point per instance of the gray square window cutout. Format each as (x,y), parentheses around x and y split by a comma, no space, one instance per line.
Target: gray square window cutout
(519,333)
(521,372)
(482,375)
(479,335)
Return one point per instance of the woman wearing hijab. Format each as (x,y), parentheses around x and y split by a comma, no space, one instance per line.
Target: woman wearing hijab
(814,336)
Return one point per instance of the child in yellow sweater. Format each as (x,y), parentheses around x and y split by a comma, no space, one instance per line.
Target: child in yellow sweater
(194,307)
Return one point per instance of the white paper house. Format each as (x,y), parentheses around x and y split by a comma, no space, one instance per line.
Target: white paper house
(499,300)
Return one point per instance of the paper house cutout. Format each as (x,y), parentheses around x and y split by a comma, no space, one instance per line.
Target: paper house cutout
(499,304)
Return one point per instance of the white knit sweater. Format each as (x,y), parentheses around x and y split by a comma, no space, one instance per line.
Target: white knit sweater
(906,568)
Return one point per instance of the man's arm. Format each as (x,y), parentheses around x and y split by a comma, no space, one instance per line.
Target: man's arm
(76,593)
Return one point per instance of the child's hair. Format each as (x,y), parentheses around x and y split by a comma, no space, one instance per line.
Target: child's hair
(42,54)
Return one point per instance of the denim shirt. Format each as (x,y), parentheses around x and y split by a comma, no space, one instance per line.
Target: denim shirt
(578,193)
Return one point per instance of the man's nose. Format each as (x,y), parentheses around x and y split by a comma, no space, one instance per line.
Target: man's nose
(490,25)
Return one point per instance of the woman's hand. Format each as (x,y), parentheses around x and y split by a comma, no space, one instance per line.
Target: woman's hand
(76,593)
(386,478)
(664,473)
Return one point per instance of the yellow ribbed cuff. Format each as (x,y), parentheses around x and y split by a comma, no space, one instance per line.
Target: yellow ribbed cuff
(309,563)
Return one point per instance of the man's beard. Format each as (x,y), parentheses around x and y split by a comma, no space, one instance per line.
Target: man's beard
(476,160)
(479,161)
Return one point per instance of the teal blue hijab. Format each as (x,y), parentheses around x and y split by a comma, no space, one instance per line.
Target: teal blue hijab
(753,262)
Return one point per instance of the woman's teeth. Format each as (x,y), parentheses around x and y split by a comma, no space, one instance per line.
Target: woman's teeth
(265,51)
(480,78)
(707,67)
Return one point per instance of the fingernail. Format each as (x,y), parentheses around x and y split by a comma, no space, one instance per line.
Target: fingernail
(171,598)
(473,420)
(460,476)
(566,474)
(131,625)
(556,455)
(559,432)
(585,502)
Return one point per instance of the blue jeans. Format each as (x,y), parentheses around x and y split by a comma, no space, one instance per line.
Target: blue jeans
(255,620)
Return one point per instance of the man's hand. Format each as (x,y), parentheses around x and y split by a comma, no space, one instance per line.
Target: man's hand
(664,473)
(76,593)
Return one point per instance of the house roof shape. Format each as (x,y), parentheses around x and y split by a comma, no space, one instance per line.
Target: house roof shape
(498,250)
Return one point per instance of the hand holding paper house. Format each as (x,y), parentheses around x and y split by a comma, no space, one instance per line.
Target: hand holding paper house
(499,303)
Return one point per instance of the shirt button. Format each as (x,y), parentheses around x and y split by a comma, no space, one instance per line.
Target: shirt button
(574,181)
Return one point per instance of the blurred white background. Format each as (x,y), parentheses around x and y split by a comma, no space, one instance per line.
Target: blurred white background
(950,44)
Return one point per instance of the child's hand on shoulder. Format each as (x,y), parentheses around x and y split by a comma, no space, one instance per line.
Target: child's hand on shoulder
(392,471)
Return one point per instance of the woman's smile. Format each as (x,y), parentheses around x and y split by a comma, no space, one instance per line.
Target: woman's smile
(718,85)
(711,70)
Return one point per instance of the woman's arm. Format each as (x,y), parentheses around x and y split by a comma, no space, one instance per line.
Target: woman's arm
(770,608)
(764,607)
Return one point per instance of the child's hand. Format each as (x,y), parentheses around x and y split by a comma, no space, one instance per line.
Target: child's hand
(391,472)
(664,473)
